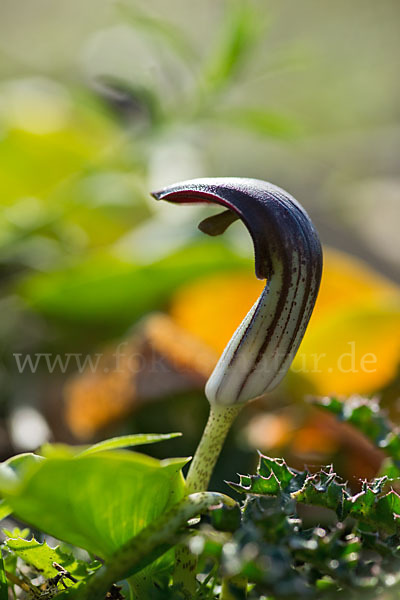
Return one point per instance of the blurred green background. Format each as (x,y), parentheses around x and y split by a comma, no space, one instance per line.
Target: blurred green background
(104,101)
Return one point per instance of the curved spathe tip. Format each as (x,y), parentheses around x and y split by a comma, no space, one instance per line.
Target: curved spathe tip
(274,219)
(288,253)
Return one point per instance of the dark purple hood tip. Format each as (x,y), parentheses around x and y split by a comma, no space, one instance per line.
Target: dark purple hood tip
(276,222)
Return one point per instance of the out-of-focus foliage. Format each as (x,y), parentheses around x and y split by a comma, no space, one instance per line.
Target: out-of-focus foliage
(63,185)
(104,290)
(369,420)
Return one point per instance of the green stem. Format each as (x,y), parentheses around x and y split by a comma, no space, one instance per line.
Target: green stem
(198,478)
(203,463)
(156,538)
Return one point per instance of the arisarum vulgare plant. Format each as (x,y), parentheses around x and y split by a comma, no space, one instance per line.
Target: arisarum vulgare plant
(288,255)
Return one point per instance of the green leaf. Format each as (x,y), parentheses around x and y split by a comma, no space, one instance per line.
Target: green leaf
(17,532)
(371,506)
(323,489)
(3,581)
(301,559)
(95,501)
(14,467)
(116,443)
(255,484)
(5,510)
(277,466)
(128,441)
(41,556)
(273,477)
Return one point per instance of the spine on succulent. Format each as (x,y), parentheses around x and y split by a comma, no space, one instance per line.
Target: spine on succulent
(288,255)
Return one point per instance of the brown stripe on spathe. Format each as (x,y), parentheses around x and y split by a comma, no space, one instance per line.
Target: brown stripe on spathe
(303,317)
(280,305)
(287,284)
(271,329)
